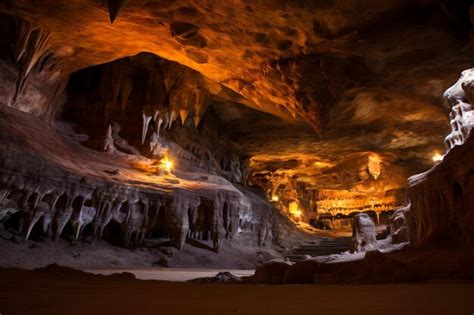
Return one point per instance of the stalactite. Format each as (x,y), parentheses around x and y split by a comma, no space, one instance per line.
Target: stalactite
(101,203)
(115,6)
(31,45)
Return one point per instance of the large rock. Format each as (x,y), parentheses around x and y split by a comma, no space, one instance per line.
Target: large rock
(271,273)
(363,234)
(398,225)
(302,272)
(442,199)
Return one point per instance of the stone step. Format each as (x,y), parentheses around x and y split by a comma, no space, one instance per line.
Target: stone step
(296,258)
(324,247)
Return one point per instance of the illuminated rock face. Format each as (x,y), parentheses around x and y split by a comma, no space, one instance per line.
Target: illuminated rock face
(48,181)
(311,100)
(460,96)
(329,195)
(178,177)
(442,205)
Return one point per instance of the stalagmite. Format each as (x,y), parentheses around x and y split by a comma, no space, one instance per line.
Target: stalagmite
(109,141)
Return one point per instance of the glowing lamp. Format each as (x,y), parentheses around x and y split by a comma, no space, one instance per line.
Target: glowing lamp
(166,164)
(293,209)
(437,157)
(275,198)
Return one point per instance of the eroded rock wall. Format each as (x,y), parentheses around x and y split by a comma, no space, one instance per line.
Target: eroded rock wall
(442,199)
(48,181)
(31,76)
(161,108)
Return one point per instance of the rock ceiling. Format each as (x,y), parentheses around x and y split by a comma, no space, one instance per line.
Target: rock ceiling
(331,79)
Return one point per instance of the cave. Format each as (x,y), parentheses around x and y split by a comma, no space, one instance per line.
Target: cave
(236,157)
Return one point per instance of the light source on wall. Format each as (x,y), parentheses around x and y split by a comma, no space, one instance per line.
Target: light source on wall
(437,157)
(166,164)
(275,198)
(294,210)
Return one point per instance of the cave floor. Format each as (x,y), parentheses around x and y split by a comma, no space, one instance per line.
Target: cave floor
(103,256)
(172,274)
(56,292)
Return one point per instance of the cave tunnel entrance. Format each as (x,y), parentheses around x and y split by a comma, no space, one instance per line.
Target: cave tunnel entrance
(113,233)
(160,230)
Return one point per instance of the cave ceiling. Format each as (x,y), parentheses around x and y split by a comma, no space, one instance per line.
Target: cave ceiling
(307,84)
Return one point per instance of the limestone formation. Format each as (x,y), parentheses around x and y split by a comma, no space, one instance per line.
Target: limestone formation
(52,192)
(141,120)
(441,199)
(460,96)
(363,234)
(399,225)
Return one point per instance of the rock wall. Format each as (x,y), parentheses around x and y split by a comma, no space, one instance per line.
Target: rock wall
(26,59)
(160,106)
(328,194)
(442,199)
(48,181)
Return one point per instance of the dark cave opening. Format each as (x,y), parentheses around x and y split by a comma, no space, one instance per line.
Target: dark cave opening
(113,233)
(67,233)
(14,222)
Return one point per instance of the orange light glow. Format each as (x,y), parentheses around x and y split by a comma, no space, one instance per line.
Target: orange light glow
(322,164)
(294,211)
(166,164)
(275,198)
(437,157)
(374,165)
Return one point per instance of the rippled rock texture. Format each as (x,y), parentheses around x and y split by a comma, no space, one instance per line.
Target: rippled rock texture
(49,181)
(442,204)
(326,105)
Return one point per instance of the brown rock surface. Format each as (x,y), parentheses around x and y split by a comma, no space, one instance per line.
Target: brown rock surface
(327,105)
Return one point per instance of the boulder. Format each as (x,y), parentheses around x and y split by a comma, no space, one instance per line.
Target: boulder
(302,272)
(221,277)
(398,226)
(271,273)
(363,234)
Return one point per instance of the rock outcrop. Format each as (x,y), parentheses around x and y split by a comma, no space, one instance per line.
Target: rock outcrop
(399,226)
(304,75)
(310,100)
(49,181)
(442,204)
(363,234)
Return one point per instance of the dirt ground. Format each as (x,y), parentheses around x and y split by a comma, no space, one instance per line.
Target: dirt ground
(73,292)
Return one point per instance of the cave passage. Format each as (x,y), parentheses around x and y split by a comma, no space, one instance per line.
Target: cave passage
(275,142)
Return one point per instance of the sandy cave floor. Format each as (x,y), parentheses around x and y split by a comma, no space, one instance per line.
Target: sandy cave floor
(102,255)
(36,292)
